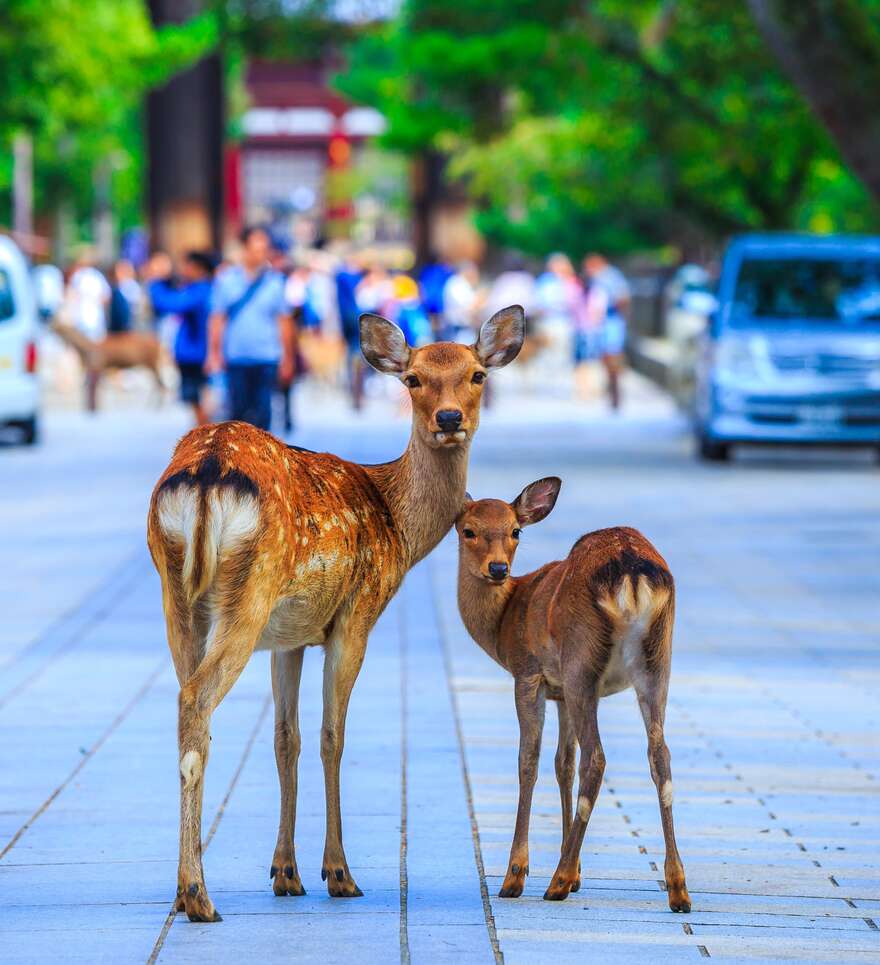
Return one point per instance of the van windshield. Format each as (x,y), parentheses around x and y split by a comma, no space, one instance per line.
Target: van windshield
(7,305)
(843,290)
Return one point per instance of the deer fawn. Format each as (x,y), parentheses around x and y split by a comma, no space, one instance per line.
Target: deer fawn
(261,545)
(572,631)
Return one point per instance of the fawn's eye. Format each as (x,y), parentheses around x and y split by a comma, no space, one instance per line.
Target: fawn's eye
(468,534)
(412,381)
(478,378)
(516,533)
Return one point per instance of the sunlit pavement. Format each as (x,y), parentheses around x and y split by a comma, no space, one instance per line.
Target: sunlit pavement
(772,722)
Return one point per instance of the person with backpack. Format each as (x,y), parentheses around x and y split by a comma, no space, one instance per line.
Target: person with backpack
(251,333)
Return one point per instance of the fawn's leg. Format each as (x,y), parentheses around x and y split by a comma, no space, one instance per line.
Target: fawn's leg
(583,704)
(286,671)
(566,750)
(530,700)
(230,649)
(343,656)
(652,703)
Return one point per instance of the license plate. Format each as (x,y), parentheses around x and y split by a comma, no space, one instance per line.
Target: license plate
(825,414)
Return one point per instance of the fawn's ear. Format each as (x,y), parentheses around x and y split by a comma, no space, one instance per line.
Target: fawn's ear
(501,338)
(536,500)
(383,344)
(466,504)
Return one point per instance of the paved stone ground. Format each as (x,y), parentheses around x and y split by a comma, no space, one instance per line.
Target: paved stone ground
(773,720)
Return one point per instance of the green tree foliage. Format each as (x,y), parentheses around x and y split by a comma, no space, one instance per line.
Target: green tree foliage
(73,74)
(614,124)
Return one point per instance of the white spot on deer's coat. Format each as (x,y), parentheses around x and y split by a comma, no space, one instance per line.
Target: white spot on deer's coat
(190,767)
(585,808)
(666,794)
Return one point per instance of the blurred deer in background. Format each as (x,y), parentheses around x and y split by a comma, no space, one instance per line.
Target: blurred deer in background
(117,350)
(261,545)
(573,631)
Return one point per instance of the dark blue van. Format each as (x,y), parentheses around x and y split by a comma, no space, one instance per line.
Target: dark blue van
(792,353)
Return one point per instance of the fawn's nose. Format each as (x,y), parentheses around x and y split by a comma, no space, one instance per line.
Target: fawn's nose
(449,420)
(498,571)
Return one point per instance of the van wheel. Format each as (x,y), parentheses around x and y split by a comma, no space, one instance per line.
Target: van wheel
(713,451)
(30,429)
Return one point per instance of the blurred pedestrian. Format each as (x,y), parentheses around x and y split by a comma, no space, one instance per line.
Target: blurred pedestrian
(121,307)
(347,280)
(250,332)
(612,280)
(559,297)
(462,300)
(190,300)
(432,280)
(88,297)
(589,332)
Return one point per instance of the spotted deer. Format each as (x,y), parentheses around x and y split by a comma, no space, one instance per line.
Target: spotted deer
(267,546)
(573,631)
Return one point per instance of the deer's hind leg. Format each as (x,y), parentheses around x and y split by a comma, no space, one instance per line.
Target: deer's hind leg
(582,699)
(286,673)
(235,635)
(651,688)
(566,752)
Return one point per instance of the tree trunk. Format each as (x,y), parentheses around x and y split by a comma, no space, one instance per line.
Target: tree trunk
(831,51)
(185,124)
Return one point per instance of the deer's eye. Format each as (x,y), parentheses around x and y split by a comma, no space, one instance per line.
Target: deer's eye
(516,533)
(412,381)
(468,534)
(478,378)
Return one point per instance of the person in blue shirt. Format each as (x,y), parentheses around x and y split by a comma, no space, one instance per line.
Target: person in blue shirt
(190,301)
(347,279)
(250,331)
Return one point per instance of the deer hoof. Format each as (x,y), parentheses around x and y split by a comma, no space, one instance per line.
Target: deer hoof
(680,902)
(286,881)
(198,906)
(340,883)
(558,889)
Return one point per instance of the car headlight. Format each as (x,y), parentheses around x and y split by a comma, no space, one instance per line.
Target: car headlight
(737,356)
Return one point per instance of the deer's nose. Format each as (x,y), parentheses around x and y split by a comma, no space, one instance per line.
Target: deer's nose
(498,571)
(449,420)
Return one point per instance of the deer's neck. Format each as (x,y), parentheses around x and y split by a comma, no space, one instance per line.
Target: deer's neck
(424,491)
(482,609)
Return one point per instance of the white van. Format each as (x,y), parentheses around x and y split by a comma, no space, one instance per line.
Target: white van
(19,383)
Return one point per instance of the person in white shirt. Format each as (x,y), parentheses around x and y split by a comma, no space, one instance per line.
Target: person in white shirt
(461,301)
(612,281)
(88,296)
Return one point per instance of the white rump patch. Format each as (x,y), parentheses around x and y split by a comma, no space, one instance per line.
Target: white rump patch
(177,512)
(666,794)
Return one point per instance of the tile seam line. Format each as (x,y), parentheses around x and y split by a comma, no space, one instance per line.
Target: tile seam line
(459,734)
(404,751)
(246,753)
(92,751)
(116,585)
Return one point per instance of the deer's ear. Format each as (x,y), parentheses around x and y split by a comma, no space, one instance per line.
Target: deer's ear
(466,504)
(501,338)
(383,344)
(536,500)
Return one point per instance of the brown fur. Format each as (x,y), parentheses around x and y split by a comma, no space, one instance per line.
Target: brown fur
(572,631)
(117,350)
(261,544)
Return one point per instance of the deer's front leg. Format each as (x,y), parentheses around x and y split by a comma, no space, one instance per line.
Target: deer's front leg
(529,694)
(343,656)
(286,673)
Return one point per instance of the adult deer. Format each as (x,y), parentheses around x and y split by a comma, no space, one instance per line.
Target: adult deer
(117,350)
(573,631)
(261,545)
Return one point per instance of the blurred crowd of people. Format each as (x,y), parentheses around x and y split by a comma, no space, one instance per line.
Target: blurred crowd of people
(241,331)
